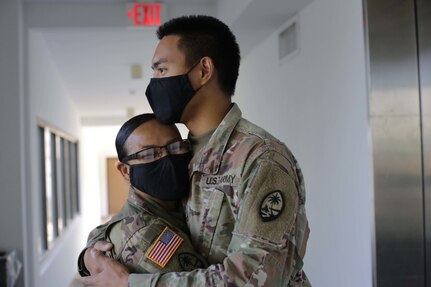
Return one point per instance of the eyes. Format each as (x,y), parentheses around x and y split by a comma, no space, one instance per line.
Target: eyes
(150,154)
(159,71)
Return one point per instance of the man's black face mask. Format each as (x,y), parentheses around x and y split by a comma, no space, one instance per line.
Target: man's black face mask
(169,96)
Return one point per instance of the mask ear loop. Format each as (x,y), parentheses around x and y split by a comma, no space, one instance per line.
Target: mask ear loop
(191,68)
(128,164)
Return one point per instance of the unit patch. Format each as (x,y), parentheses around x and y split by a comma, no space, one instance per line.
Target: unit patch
(189,262)
(164,247)
(272,206)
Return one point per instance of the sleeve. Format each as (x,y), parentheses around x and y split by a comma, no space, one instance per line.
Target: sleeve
(95,235)
(262,250)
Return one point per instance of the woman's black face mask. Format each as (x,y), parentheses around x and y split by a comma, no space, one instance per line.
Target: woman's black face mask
(165,179)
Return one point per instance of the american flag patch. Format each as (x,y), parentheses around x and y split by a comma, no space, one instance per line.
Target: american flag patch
(164,247)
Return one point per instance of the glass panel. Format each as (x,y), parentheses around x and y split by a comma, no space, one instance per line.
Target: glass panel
(53,202)
(59,172)
(74,177)
(48,194)
(66,180)
(71,179)
(43,231)
(77,176)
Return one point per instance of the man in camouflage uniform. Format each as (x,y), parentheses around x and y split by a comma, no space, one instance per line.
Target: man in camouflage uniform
(246,210)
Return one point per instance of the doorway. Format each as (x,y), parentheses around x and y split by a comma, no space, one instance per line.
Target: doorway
(118,188)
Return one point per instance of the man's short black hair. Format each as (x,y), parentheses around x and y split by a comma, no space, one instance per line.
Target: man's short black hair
(126,130)
(202,36)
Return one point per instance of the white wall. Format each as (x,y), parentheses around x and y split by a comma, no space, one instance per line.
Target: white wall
(11,123)
(49,102)
(316,103)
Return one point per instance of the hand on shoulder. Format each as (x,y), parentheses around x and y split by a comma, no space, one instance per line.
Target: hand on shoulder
(105,271)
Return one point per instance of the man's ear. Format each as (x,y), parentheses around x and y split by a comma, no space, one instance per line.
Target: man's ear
(124,169)
(206,70)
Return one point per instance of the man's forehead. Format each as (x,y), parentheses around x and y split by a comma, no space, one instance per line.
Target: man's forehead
(167,50)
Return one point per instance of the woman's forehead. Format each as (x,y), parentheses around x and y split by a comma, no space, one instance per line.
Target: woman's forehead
(151,133)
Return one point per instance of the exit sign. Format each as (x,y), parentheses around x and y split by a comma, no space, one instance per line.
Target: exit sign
(143,14)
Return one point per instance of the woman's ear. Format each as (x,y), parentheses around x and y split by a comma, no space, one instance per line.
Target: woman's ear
(124,169)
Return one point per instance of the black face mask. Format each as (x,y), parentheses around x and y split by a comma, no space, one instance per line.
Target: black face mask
(165,179)
(169,96)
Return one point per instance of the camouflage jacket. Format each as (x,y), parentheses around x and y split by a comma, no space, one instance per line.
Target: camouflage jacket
(245,212)
(147,238)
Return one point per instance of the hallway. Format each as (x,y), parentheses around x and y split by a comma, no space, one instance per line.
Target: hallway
(73,71)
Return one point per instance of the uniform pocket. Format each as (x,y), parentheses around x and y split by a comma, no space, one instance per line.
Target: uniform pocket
(213,205)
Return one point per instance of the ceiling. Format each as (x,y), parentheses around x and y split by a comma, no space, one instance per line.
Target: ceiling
(95,65)
(123,1)
(94,60)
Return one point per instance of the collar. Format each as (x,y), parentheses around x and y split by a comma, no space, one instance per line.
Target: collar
(171,218)
(208,159)
(146,203)
(135,199)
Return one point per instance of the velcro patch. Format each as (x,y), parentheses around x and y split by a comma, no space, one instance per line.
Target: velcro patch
(269,207)
(164,247)
(189,262)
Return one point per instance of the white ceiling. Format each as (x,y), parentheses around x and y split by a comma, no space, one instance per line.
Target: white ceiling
(94,64)
(123,1)
(94,60)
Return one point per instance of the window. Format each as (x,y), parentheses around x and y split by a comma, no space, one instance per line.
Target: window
(59,185)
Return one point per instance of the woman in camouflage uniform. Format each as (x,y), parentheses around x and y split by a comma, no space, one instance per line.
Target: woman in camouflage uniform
(149,234)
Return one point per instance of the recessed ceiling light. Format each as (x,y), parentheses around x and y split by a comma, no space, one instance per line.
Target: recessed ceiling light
(130,112)
(136,71)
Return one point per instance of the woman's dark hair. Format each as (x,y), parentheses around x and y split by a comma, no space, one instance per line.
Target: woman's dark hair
(202,36)
(126,129)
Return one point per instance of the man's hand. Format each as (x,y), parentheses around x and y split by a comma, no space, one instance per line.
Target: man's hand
(105,271)
(90,263)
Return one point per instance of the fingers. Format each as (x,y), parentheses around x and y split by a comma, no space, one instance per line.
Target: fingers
(95,253)
(90,280)
(94,260)
(110,272)
(103,246)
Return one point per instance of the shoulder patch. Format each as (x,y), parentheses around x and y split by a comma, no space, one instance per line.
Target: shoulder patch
(164,247)
(271,206)
(189,262)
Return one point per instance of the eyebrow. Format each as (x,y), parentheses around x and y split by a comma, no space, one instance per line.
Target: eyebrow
(157,63)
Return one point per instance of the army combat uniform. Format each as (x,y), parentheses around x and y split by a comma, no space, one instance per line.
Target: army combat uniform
(245,213)
(147,239)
